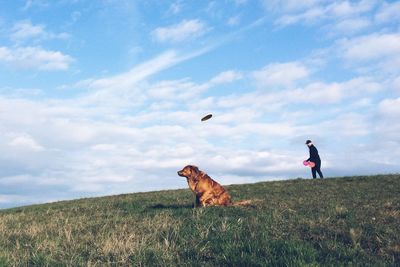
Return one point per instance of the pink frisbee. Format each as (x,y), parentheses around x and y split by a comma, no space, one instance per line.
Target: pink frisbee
(305,163)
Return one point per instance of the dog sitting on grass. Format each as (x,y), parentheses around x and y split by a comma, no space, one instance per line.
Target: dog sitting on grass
(208,192)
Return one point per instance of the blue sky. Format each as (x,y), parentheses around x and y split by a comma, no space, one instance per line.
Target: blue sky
(105,97)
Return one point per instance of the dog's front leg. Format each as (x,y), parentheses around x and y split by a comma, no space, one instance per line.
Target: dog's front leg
(197,203)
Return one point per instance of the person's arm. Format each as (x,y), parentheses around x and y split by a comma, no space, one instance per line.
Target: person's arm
(313,154)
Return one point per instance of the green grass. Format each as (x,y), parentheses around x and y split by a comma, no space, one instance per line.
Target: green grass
(331,222)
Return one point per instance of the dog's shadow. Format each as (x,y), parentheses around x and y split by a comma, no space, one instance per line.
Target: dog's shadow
(172,206)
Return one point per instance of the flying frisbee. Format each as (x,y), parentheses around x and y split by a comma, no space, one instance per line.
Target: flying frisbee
(207,117)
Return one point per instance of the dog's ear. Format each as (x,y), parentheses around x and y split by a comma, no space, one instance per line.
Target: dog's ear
(195,169)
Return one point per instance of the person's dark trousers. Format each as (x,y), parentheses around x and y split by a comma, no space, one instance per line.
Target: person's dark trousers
(316,169)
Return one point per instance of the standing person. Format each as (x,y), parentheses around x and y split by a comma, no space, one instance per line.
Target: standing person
(314,157)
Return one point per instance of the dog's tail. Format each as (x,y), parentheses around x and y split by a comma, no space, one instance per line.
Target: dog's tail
(242,203)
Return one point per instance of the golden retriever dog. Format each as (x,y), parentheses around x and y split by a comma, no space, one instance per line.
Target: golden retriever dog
(208,192)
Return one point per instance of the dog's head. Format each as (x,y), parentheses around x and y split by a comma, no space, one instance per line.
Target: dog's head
(189,171)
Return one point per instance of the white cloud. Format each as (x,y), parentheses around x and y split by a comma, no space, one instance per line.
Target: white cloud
(336,14)
(184,89)
(348,125)
(336,92)
(233,21)
(183,31)
(129,89)
(139,72)
(175,90)
(226,77)
(6,199)
(390,107)
(317,93)
(386,130)
(395,84)
(349,8)
(240,2)
(25,30)
(388,12)
(308,16)
(35,3)
(175,8)
(5,53)
(104,147)
(373,53)
(371,47)
(26,142)
(34,58)
(351,26)
(280,74)
(289,5)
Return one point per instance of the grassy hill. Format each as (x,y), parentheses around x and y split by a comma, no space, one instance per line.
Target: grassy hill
(331,222)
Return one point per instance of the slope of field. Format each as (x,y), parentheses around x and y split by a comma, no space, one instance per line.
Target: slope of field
(331,222)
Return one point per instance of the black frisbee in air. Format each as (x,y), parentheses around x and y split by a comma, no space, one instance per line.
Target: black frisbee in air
(207,117)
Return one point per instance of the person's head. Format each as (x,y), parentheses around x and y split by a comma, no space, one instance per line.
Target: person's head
(309,143)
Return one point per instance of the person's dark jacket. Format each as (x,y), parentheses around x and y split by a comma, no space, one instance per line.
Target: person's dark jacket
(314,157)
